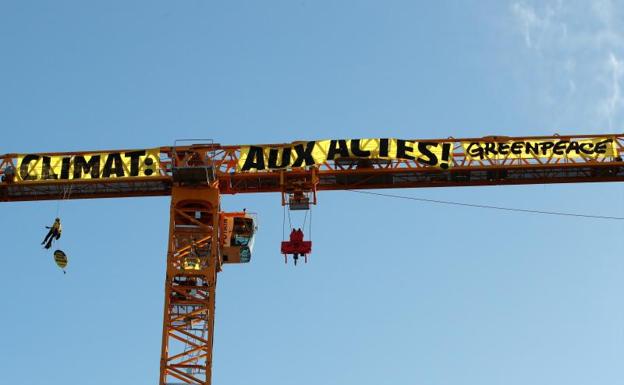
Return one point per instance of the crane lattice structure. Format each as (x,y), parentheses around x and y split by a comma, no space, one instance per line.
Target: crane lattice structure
(202,238)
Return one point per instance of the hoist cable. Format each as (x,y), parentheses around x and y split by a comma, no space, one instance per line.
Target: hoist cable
(310,236)
(305,218)
(490,207)
(284,223)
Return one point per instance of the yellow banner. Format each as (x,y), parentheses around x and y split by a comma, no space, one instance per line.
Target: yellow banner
(103,165)
(302,154)
(540,149)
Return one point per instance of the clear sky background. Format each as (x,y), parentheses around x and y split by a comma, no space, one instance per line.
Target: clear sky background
(396,292)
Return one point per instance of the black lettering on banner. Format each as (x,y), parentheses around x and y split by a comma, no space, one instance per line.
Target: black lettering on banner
(24,167)
(445,160)
(516,148)
(113,165)
(532,148)
(357,151)
(255,159)
(403,149)
(135,157)
(560,147)
(573,147)
(430,158)
(490,148)
(475,150)
(46,171)
(546,146)
(149,170)
(601,147)
(586,148)
(384,147)
(91,167)
(66,164)
(304,154)
(337,147)
(503,148)
(274,155)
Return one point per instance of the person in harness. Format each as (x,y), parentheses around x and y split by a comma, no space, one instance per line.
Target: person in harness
(54,233)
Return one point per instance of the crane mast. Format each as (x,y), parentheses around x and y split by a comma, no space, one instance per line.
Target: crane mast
(188,320)
(202,238)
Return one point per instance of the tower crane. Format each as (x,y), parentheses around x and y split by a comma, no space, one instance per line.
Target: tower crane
(203,238)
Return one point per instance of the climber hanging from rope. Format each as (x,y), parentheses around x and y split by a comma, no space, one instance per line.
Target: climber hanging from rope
(54,233)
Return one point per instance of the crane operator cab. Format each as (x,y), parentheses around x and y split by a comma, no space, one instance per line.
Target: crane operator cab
(237,236)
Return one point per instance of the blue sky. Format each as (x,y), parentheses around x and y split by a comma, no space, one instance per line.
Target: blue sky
(395,292)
